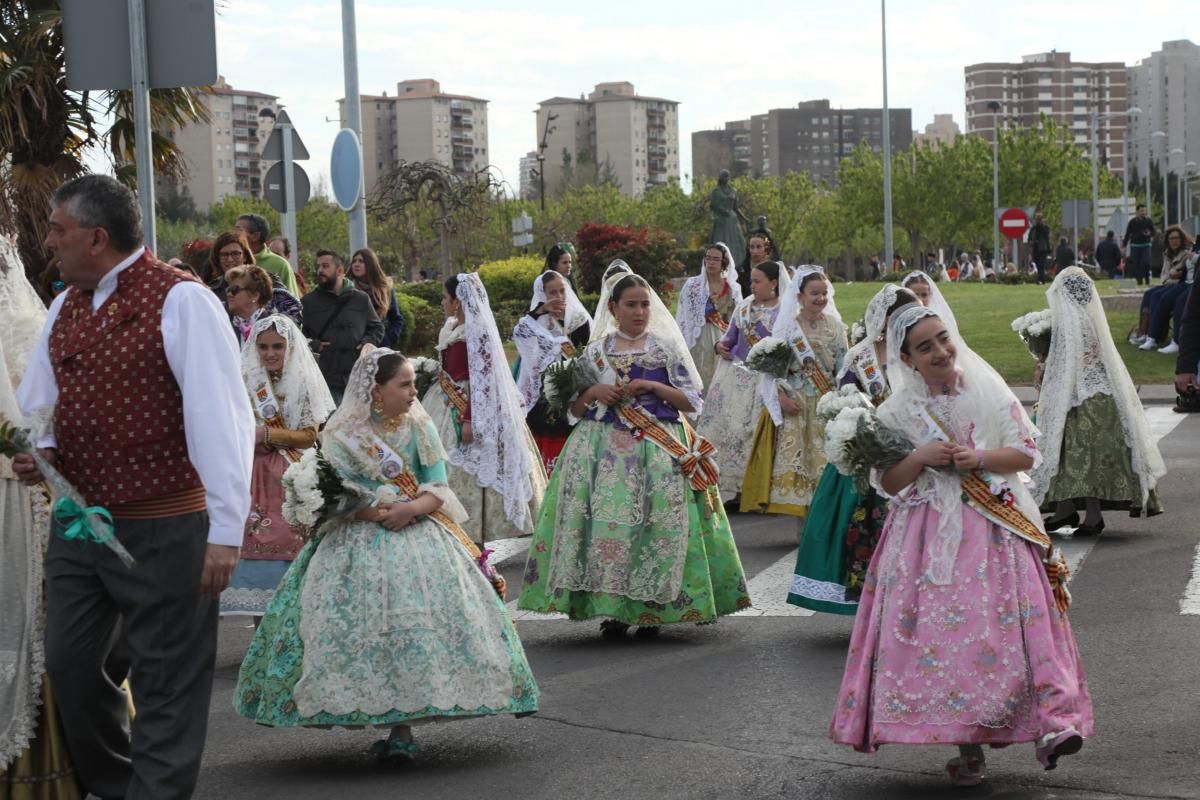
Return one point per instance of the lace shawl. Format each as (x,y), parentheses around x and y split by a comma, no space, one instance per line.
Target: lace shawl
(24,521)
(693,298)
(1084,362)
(937,300)
(539,347)
(874,321)
(301,390)
(576,316)
(985,410)
(499,456)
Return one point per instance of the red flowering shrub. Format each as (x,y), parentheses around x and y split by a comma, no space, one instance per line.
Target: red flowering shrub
(650,252)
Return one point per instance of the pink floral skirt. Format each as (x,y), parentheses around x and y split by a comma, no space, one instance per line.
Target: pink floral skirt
(985,659)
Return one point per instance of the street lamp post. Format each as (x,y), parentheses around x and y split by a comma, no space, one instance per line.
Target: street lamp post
(547,129)
(888,250)
(1149,147)
(994,107)
(1166,172)
(1183,212)
(1132,112)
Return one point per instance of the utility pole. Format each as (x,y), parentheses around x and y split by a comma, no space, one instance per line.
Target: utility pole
(144,158)
(888,249)
(547,129)
(358,214)
(994,107)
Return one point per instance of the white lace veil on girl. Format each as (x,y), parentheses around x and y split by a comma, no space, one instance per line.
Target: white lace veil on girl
(576,313)
(693,298)
(662,327)
(499,456)
(537,346)
(24,312)
(996,415)
(301,390)
(1083,362)
(937,301)
(603,318)
(874,320)
(787,326)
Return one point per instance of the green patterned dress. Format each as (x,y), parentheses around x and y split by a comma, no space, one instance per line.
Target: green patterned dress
(372,627)
(622,534)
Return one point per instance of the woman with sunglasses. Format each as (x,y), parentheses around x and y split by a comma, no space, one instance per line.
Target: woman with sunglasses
(231,250)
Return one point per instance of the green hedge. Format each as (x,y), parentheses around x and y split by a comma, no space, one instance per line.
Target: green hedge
(429,291)
(511,279)
(421,324)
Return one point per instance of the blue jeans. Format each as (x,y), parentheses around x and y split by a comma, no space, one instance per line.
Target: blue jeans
(1162,306)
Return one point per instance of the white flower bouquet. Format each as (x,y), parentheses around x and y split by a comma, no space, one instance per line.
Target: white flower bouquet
(1034,329)
(848,396)
(771,356)
(858,332)
(427,371)
(857,442)
(314,495)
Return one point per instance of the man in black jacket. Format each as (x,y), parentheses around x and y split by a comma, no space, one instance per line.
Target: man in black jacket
(1139,235)
(1039,245)
(1108,255)
(338,320)
(1064,256)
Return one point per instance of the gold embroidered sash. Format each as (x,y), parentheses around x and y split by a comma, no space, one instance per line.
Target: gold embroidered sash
(714,318)
(454,394)
(806,357)
(568,349)
(694,455)
(268,409)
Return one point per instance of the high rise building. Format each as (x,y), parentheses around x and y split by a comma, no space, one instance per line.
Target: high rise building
(421,123)
(942,130)
(723,148)
(814,137)
(1166,87)
(529,177)
(628,137)
(222,155)
(1051,84)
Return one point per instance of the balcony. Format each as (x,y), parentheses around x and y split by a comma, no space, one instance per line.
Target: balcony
(461,123)
(655,166)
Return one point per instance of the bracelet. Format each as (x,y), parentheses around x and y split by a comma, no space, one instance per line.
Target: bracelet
(979,455)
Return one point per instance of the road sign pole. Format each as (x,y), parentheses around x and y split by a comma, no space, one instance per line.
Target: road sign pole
(289,194)
(888,245)
(141,119)
(358,214)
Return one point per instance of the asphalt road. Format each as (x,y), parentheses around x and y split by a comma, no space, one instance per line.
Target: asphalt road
(740,709)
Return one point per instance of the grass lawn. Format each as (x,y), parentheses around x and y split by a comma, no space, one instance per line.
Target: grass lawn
(985,313)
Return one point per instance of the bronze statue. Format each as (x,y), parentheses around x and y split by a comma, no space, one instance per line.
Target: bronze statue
(727,215)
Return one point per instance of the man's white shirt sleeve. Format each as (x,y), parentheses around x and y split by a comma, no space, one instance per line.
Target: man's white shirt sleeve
(218,420)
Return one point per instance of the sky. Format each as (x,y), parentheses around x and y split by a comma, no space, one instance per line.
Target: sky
(720,60)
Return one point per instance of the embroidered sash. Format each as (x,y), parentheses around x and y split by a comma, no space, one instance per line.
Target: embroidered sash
(870,375)
(568,349)
(454,394)
(713,317)
(268,410)
(806,357)
(392,465)
(694,454)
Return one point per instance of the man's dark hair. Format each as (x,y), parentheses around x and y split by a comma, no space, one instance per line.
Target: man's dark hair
(1139,205)
(98,201)
(1109,235)
(258,225)
(336,258)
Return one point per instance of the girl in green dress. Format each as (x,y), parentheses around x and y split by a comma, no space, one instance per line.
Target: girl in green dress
(839,536)
(632,529)
(389,616)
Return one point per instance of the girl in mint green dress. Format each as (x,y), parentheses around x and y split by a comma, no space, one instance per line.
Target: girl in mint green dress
(388,616)
(632,529)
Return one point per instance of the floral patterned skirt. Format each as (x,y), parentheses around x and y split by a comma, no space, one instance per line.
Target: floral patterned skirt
(378,627)
(836,546)
(731,411)
(984,659)
(704,354)
(792,454)
(621,519)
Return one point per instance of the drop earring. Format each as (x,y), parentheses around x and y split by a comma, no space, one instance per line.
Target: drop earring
(377,408)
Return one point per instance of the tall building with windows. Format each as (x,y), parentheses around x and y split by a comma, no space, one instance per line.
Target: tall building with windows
(631,138)
(942,130)
(529,176)
(421,123)
(1051,84)
(723,148)
(814,137)
(223,155)
(1166,87)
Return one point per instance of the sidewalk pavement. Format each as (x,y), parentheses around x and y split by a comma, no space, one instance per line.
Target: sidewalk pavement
(1148,393)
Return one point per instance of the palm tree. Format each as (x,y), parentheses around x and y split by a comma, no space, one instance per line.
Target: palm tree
(47,130)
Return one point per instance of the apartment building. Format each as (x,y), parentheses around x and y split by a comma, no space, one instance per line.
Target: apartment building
(223,156)
(421,123)
(635,138)
(942,130)
(1166,87)
(814,137)
(1051,84)
(723,148)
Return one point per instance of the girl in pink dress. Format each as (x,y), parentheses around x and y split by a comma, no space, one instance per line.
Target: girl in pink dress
(959,637)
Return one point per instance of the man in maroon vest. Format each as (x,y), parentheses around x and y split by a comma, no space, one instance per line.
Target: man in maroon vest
(136,383)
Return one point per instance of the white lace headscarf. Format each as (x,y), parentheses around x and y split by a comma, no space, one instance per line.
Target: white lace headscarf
(662,328)
(1084,362)
(603,318)
(693,298)
(787,327)
(937,301)
(499,455)
(874,320)
(576,313)
(985,400)
(24,521)
(301,389)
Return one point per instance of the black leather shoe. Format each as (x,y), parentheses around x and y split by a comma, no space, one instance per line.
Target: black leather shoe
(1090,530)
(1069,521)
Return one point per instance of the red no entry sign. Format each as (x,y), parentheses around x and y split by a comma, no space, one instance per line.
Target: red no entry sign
(1014,222)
